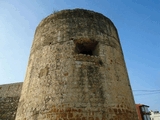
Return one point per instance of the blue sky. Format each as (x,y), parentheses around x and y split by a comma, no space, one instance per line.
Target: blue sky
(137,21)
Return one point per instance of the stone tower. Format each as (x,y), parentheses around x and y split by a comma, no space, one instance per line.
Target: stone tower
(76,71)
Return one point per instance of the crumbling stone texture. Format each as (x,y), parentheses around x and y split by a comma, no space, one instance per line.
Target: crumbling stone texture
(76,71)
(9,98)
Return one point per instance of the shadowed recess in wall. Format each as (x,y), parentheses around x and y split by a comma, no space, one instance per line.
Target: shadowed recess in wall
(86,46)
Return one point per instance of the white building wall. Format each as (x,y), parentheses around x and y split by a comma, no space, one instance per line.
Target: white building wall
(155,115)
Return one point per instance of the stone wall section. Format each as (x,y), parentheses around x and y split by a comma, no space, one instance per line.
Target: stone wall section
(9,98)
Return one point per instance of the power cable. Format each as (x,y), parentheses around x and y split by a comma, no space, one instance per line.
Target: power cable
(146,90)
(147,93)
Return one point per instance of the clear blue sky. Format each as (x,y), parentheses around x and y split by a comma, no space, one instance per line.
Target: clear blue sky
(137,21)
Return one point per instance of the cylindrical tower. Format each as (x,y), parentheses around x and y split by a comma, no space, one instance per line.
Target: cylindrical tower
(76,71)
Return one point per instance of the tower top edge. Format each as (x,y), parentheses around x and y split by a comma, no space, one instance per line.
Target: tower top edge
(74,13)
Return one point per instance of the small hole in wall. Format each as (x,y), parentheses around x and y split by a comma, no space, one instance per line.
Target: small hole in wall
(86,46)
(87,52)
(100,62)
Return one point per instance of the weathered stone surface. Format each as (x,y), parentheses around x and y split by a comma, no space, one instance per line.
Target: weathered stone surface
(76,71)
(9,98)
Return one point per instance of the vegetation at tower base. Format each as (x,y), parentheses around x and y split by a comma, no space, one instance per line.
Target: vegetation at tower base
(76,70)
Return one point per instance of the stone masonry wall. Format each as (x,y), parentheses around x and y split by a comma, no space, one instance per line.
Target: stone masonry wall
(76,71)
(9,98)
